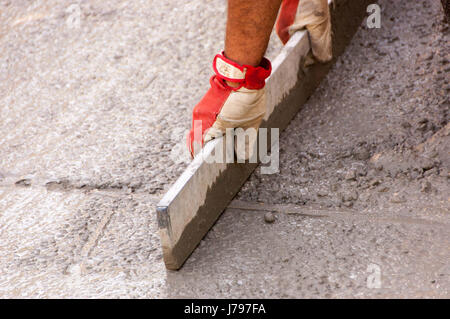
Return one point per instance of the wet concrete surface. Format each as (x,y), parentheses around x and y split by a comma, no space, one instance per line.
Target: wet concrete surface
(90,117)
(315,257)
(362,136)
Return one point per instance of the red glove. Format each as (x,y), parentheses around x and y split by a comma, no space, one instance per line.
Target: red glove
(226,107)
(314,15)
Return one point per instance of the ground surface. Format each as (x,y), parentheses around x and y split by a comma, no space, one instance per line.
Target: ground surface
(92,111)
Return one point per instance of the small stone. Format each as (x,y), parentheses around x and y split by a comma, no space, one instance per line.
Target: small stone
(428,56)
(427,135)
(427,164)
(348,204)
(434,154)
(399,92)
(24,182)
(350,175)
(383,189)
(392,40)
(398,199)
(422,127)
(349,196)
(423,121)
(353,195)
(334,187)
(322,193)
(361,171)
(379,167)
(269,217)
(365,197)
(425,187)
(371,77)
(362,154)
(429,172)
(415,174)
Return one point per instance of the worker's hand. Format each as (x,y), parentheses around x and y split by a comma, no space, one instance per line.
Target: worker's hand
(225,107)
(314,15)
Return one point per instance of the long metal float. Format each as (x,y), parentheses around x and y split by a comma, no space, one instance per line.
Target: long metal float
(196,200)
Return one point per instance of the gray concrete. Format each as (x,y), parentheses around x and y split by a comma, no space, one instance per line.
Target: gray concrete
(89,117)
(309,257)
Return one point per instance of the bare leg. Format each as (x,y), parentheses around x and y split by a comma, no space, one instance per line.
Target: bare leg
(249,25)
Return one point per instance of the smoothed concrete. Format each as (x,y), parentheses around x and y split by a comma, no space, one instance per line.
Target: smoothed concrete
(319,257)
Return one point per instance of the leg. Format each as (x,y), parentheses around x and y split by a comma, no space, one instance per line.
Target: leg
(249,25)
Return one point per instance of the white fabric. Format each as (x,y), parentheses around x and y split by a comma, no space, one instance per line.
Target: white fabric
(314,15)
(229,71)
(245,109)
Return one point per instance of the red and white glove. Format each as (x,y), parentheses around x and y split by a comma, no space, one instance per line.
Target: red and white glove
(314,15)
(225,107)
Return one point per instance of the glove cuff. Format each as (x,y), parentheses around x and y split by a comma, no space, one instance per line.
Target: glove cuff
(250,77)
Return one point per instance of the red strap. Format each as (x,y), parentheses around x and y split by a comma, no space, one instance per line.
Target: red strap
(248,76)
(286,18)
(205,112)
